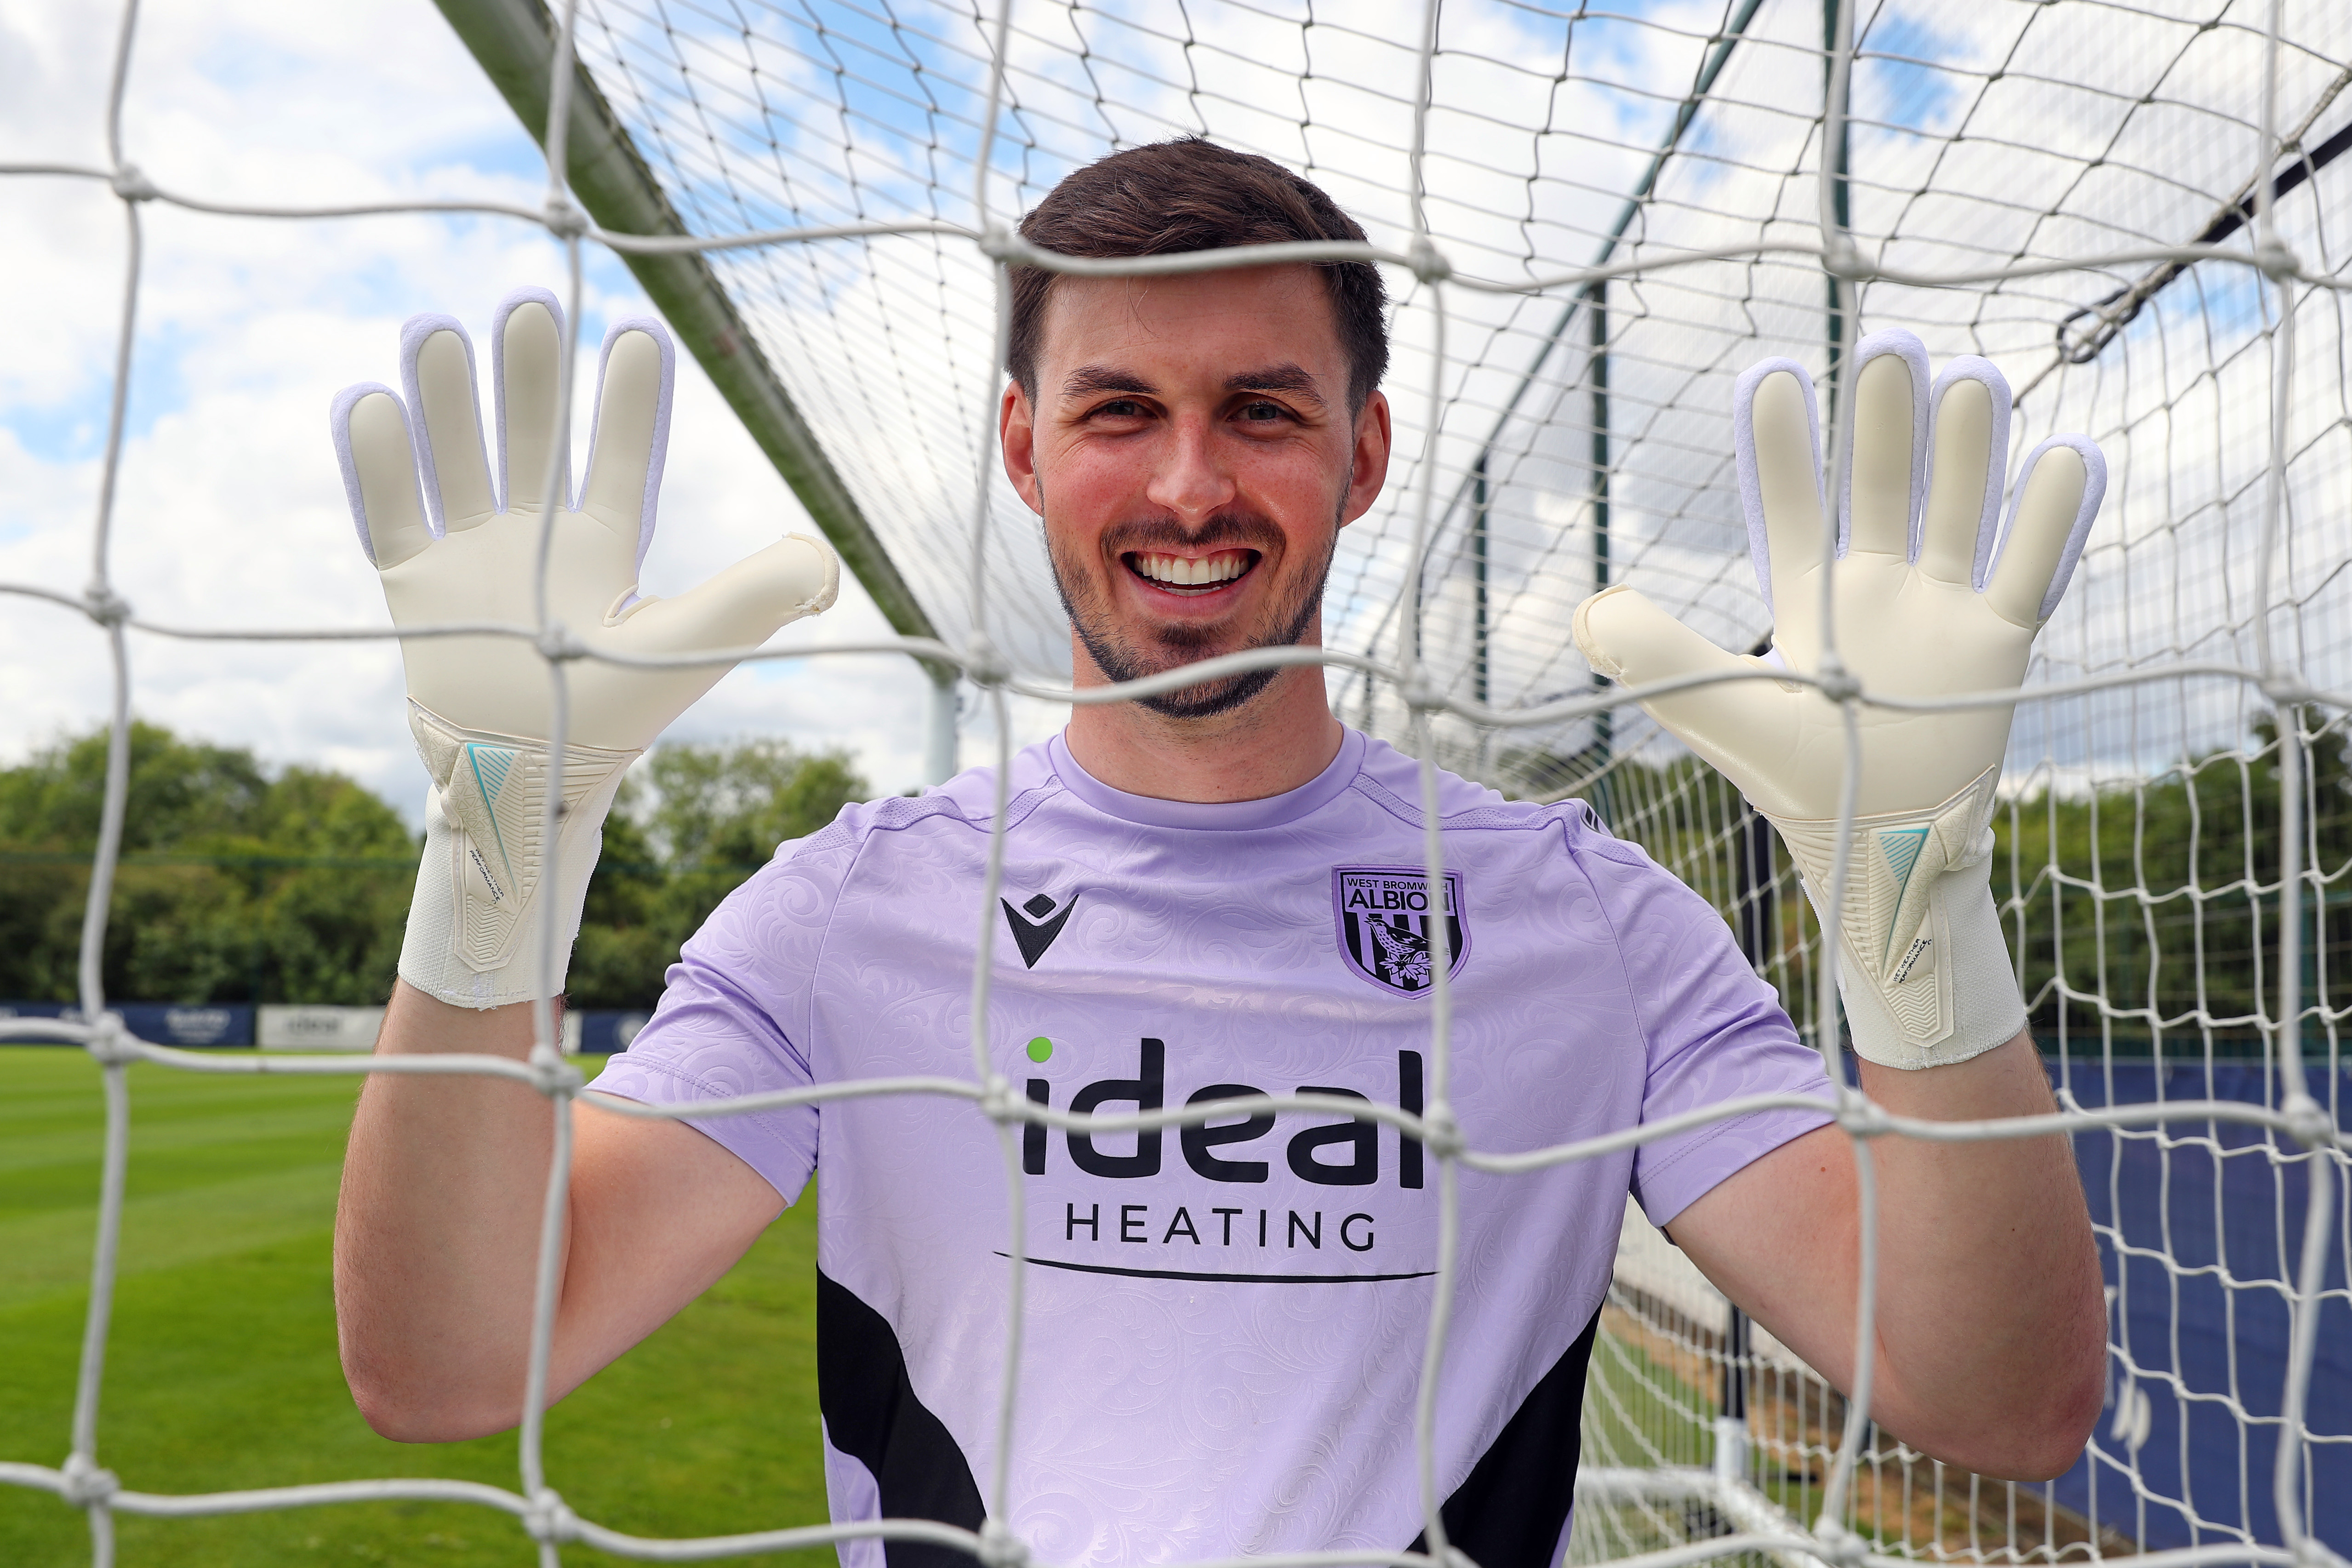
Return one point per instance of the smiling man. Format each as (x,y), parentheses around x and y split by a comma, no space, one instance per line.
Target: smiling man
(1211,893)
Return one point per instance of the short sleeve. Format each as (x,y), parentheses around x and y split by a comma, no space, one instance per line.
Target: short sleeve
(733,1016)
(1712,1029)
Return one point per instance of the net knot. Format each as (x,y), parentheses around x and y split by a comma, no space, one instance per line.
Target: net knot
(1440,1135)
(105,606)
(1840,686)
(111,1041)
(1839,1545)
(550,1074)
(2285,691)
(983,666)
(1429,263)
(1861,1118)
(1000,1548)
(1000,241)
(2313,1552)
(2306,1120)
(997,1101)
(1420,695)
(133,185)
(549,1518)
(1841,258)
(566,221)
(85,1484)
(556,644)
(2277,260)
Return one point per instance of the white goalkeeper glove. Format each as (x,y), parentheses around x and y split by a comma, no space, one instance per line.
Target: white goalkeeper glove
(1926,605)
(452,548)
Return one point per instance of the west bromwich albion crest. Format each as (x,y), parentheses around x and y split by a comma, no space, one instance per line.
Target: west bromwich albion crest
(1383,916)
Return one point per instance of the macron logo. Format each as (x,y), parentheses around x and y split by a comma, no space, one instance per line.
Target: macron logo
(1034,933)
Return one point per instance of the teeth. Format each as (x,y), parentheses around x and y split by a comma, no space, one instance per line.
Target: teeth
(1176,571)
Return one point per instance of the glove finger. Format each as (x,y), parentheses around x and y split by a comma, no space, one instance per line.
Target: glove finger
(740,606)
(1776,442)
(2065,479)
(379,462)
(1884,481)
(436,369)
(1633,643)
(526,349)
(1969,426)
(626,443)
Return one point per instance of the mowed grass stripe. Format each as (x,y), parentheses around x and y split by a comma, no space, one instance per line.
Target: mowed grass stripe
(48,1253)
(222,1368)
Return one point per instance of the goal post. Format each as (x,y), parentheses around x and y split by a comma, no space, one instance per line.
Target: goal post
(514,41)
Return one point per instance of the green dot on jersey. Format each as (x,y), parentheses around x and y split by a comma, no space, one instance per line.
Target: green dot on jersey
(1040,1049)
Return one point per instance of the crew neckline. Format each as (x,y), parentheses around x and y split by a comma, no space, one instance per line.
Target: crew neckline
(1227,816)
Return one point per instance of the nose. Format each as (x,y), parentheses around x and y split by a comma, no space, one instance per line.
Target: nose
(1190,481)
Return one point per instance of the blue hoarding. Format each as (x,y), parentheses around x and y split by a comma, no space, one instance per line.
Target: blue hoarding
(2202,1229)
(208,1023)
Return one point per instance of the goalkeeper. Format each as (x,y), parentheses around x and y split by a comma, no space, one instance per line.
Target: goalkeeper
(1216,893)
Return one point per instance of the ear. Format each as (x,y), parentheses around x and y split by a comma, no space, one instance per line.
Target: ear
(1368,467)
(1016,436)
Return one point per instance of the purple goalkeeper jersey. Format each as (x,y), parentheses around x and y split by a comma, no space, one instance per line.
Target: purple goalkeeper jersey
(1225,1326)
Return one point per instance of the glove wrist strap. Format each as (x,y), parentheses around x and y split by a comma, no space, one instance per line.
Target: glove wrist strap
(1922,966)
(488,879)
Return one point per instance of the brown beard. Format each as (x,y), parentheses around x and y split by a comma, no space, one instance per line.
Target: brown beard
(1291,609)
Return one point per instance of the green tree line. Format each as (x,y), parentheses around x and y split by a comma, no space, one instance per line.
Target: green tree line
(243,883)
(2161,898)
(2147,913)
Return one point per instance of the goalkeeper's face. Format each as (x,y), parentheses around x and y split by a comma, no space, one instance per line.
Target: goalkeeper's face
(1191,451)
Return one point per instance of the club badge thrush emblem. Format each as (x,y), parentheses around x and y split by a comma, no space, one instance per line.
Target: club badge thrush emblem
(1385,919)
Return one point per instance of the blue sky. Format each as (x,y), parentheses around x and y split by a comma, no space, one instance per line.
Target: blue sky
(231,510)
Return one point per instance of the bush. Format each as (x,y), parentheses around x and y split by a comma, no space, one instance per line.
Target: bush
(238,885)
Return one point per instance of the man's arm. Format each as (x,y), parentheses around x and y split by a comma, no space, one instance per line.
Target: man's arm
(1991,1323)
(437,1236)
(436,1242)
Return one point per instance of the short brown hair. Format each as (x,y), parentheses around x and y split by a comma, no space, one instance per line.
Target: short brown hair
(1192,194)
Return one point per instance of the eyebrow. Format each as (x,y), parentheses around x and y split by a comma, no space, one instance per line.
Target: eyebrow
(1282,378)
(1091,381)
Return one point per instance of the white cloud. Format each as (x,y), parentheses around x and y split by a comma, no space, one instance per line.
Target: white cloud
(230,511)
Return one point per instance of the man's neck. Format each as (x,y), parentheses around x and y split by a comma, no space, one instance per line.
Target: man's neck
(1274,743)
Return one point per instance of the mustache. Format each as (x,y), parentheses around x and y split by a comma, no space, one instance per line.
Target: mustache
(1243,530)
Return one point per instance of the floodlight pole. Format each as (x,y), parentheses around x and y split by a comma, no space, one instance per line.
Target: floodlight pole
(939,730)
(1842,209)
(1756,910)
(514,42)
(1596,300)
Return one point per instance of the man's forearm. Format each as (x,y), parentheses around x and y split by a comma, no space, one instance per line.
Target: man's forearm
(1990,1305)
(436,1233)
(1990,1322)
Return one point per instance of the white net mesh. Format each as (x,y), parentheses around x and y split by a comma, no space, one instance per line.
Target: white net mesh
(2129,207)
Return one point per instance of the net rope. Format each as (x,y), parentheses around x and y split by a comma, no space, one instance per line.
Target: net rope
(2126,204)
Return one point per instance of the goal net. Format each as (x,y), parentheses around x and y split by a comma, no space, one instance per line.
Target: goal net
(1593,219)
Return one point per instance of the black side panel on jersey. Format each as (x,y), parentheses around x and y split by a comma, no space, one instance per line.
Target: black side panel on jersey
(1511,1510)
(872,1415)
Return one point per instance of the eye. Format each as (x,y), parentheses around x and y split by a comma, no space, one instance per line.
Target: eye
(1121,408)
(1262,412)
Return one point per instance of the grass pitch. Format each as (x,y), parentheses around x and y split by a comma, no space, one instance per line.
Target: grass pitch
(221,1369)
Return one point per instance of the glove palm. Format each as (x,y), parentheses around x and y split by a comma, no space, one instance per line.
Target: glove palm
(1930,599)
(481,707)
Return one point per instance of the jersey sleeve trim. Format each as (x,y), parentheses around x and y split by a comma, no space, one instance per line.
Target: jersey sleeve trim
(738,1135)
(1663,1196)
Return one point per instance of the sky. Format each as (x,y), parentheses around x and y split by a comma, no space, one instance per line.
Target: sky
(230,512)
(231,515)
